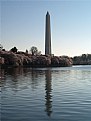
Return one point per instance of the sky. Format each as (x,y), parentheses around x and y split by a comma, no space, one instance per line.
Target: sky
(23,25)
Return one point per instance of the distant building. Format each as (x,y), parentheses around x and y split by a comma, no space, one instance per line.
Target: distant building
(48,35)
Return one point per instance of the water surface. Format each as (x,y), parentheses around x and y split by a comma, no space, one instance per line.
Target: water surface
(46,94)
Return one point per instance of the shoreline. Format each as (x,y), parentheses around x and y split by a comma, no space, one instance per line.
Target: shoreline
(10,59)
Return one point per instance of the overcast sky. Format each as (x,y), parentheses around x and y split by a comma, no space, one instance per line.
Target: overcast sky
(23,25)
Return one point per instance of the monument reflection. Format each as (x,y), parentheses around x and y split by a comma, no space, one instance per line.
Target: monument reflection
(48,89)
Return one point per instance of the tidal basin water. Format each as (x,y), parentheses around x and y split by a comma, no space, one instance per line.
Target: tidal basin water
(46,94)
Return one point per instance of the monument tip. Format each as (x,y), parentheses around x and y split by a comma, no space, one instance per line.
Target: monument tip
(47,13)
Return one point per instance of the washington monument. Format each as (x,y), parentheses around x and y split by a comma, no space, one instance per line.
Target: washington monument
(47,35)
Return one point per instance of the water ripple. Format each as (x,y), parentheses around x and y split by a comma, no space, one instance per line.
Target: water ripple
(48,94)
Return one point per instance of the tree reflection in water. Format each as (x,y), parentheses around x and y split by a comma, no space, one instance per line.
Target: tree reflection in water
(48,89)
(17,79)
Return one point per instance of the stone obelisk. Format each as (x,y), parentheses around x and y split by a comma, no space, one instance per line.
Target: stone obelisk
(47,35)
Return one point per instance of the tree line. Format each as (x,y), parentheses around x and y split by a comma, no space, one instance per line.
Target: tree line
(33,50)
(84,59)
